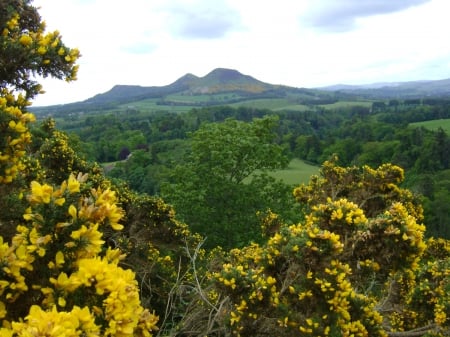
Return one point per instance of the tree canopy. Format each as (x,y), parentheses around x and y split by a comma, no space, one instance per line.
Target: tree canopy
(223,182)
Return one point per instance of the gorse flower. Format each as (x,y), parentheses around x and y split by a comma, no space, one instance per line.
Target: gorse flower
(40,193)
(56,323)
(14,135)
(69,242)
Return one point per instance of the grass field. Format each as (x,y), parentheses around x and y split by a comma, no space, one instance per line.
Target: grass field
(347,104)
(263,103)
(434,125)
(296,173)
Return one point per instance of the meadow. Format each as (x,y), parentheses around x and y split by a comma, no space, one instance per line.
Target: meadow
(434,125)
(298,172)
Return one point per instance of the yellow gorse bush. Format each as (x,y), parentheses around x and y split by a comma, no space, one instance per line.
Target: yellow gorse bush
(358,265)
(32,50)
(15,135)
(57,278)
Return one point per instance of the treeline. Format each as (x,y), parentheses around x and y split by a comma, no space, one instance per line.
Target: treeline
(358,135)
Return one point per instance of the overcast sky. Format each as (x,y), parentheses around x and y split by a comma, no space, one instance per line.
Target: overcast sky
(300,43)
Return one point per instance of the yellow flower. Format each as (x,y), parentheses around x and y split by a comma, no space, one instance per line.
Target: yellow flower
(61,302)
(42,50)
(60,201)
(337,214)
(40,193)
(73,212)
(13,22)
(18,127)
(65,283)
(73,184)
(271,280)
(89,239)
(25,40)
(59,259)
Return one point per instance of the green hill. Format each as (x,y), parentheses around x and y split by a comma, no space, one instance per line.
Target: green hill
(230,87)
(219,87)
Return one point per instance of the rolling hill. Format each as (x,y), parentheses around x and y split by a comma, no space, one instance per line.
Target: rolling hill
(217,81)
(230,87)
(219,87)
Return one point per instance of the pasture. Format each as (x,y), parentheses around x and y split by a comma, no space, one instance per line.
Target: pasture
(296,173)
(434,125)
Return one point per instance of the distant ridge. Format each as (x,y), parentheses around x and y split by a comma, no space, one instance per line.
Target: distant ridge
(245,87)
(218,80)
(411,89)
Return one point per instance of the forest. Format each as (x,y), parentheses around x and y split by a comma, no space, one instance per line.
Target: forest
(384,132)
(160,223)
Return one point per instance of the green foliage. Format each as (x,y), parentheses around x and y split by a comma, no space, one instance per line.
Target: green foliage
(434,125)
(28,51)
(353,266)
(223,184)
(355,134)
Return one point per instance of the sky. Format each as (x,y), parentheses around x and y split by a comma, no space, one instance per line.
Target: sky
(299,43)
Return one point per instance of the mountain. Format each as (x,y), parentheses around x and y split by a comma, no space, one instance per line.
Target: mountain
(226,80)
(227,86)
(217,81)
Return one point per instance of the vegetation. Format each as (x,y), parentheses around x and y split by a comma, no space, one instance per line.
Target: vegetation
(434,125)
(82,254)
(358,134)
(223,183)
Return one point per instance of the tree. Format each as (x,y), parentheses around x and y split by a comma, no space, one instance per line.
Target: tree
(218,190)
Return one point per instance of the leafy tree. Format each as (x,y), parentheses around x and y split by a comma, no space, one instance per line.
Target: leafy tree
(218,189)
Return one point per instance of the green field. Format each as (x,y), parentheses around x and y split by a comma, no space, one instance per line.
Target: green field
(434,125)
(347,104)
(296,173)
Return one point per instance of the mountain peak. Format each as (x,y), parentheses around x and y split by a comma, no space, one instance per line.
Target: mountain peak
(226,80)
(184,81)
(224,75)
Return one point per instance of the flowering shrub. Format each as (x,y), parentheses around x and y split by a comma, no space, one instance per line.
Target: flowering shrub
(27,50)
(357,266)
(427,299)
(57,268)
(15,135)
(296,284)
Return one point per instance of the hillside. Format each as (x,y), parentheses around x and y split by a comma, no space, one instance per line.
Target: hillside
(230,87)
(219,87)
(217,81)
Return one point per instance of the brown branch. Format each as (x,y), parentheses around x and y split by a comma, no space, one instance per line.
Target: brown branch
(415,332)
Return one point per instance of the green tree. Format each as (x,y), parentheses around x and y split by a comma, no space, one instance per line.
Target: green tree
(217,191)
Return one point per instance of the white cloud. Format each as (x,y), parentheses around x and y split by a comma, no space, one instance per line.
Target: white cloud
(202,19)
(339,16)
